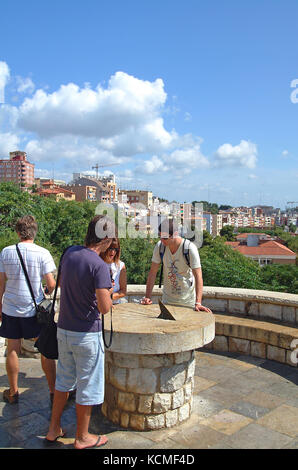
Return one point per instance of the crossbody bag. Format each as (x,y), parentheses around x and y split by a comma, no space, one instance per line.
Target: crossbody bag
(44,308)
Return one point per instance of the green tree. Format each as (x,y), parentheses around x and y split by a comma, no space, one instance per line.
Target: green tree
(137,254)
(228,232)
(280,277)
(222,266)
(207,238)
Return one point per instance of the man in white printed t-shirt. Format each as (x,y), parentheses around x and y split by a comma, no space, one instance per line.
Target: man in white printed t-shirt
(183,283)
(17,310)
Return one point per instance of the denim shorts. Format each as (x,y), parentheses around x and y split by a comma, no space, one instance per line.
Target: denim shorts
(18,327)
(81,365)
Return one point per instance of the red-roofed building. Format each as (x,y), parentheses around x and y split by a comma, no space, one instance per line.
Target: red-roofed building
(262,248)
(49,188)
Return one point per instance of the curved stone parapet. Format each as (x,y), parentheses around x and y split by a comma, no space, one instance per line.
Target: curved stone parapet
(252,322)
(258,304)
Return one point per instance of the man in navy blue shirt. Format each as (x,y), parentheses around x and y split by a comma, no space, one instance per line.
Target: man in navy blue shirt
(85,294)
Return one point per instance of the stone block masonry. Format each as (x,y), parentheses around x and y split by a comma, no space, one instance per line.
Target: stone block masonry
(148,392)
(256,338)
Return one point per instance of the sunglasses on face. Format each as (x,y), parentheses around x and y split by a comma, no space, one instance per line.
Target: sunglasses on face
(113,249)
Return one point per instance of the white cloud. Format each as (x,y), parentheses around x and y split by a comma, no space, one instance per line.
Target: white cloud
(8,143)
(25,85)
(127,105)
(4,78)
(244,155)
(8,117)
(151,137)
(154,165)
(74,151)
(73,128)
(285,153)
(187,158)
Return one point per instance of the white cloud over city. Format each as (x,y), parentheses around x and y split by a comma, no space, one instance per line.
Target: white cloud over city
(121,123)
(243,155)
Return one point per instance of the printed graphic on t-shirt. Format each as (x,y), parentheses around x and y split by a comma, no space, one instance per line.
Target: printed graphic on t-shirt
(174,276)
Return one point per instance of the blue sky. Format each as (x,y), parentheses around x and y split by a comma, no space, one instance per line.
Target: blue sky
(191,99)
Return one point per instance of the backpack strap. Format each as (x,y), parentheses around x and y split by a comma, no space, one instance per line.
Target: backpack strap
(161,254)
(185,249)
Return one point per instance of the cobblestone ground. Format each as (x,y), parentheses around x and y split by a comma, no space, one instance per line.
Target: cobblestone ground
(240,402)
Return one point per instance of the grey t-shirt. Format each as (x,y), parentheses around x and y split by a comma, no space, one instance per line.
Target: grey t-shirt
(179,284)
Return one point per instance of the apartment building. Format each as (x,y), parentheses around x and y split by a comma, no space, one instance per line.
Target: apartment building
(207,216)
(216,225)
(17,169)
(111,185)
(83,193)
(140,197)
(186,211)
(102,192)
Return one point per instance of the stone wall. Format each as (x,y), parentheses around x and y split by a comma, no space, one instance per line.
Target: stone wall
(255,338)
(262,306)
(147,392)
(258,304)
(257,323)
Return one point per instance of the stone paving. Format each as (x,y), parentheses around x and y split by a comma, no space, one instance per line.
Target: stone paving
(240,402)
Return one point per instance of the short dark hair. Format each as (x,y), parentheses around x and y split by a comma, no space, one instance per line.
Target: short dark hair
(99,228)
(26,227)
(169,226)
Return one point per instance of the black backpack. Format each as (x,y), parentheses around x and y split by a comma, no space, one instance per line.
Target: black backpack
(185,249)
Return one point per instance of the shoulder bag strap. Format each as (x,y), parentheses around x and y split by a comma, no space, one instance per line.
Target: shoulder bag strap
(57,282)
(26,274)
(107,345)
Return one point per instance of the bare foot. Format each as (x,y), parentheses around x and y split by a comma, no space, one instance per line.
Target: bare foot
(53,435)
(91,441)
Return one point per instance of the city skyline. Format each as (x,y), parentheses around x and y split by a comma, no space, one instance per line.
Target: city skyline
(193,101)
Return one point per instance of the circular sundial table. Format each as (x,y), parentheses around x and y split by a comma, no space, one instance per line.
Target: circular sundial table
(149,370)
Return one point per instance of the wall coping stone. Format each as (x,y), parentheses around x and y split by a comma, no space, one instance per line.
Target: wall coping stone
(263,296)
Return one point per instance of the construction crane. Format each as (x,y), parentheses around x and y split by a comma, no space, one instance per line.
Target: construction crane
(97,166)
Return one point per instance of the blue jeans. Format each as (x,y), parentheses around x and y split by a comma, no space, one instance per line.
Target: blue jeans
(81,365)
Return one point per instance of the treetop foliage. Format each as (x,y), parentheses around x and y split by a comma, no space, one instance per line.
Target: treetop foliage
(64,223)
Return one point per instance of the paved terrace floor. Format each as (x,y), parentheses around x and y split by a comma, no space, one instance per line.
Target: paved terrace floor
(240,402)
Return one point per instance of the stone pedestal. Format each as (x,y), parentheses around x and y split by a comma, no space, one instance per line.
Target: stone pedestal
(150,365)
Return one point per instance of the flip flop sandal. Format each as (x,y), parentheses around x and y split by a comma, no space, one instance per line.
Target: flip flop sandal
(101,441)
(51,441)
(8,398)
